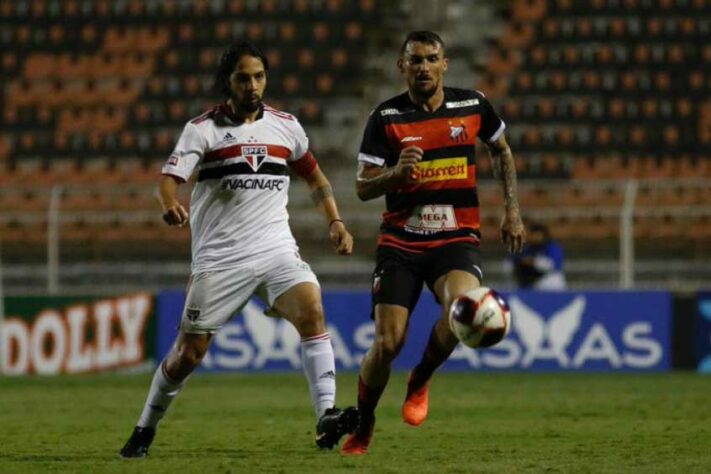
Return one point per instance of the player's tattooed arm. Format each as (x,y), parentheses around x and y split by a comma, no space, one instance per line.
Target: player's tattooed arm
(504,169)
(322,195)
(513,233)
(373,181)
(323,192)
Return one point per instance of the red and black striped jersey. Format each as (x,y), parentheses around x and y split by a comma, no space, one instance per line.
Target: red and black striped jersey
(441,206)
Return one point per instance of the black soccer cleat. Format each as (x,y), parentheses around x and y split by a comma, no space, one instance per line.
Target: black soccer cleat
(333,424)
(138,444)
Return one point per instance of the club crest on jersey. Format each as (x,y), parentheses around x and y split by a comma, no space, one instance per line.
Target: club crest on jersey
(458,134)
(254,155)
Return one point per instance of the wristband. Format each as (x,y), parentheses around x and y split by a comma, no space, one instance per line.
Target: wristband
(334,220)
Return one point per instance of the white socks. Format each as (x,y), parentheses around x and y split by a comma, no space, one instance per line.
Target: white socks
(161,394)
(320,370)
(319,367)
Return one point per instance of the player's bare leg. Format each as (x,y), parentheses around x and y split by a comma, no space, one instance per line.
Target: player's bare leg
(301,306)
(169,379)
(390,332)
(439,346)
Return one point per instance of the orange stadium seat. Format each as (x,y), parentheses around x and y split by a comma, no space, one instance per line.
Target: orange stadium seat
(30,231)
(311,111)
(518,35)
(80,199)
(134,199)
(24,201)
(701,229)
(529,10)
(604,90)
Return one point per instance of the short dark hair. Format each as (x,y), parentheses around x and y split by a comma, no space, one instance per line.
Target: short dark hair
(229,60)
(540,227)
(421,36)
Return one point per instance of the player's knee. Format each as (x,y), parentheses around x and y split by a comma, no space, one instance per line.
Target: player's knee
(190,356)
(447,303)
(452,295)
(311,321)
(388,347)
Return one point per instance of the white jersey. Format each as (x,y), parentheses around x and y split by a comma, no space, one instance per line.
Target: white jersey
(238,204)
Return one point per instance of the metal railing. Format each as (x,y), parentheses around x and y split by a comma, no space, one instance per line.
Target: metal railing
(55,276)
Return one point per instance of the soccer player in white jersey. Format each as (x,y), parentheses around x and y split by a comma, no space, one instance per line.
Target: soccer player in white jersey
(242,245)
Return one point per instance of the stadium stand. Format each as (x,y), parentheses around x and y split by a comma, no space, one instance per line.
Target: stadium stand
(95,92)
(595,93)
(609,90)
(587,80)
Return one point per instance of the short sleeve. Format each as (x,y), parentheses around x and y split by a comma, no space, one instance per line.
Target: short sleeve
(186,154)
(374,147)
(491,124)
(301,142)
(302,161)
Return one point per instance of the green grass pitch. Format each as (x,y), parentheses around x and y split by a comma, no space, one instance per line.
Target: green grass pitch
(572,423)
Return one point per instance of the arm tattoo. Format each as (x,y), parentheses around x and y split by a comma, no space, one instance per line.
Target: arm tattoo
(321,193)
(373,181)
(505,171)
(495,165)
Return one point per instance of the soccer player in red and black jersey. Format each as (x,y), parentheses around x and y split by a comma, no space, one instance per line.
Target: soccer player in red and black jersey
(418,151)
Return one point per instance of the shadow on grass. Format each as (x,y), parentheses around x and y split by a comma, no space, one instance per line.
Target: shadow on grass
(113,456)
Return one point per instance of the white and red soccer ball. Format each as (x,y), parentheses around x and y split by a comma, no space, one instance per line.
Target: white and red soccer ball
(480,317)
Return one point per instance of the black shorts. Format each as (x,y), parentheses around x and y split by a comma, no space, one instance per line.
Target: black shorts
(399,275)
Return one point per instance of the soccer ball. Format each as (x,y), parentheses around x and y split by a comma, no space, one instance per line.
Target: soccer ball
(480,317)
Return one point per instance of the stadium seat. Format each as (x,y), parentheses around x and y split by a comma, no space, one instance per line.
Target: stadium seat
(606,90)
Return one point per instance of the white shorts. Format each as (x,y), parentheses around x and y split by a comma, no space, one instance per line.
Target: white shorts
(215,296)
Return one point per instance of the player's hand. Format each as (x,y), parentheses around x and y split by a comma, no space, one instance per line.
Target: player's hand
(405,168)
(341,239)
(175,214)
(513,233)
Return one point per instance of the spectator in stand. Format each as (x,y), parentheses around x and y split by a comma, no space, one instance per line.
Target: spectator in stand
(540,265)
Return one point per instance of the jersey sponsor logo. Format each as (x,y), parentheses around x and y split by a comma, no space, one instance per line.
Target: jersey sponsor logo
(269,184)
(173,160)
(254,155)
(441,170)
(461,103)
(432,218)
(386,112)
(410,139)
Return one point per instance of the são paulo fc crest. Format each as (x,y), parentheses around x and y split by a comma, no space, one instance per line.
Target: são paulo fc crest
(254,155)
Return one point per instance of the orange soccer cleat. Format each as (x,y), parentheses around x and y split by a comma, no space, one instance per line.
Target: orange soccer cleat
(414,410)
(357,442)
